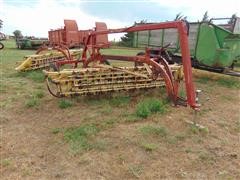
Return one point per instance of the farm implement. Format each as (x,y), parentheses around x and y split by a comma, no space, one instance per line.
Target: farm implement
(95,75)
(46,57)
(213,46)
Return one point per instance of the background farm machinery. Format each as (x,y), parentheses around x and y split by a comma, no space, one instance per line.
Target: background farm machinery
(2,37)
(68,36)
(31,42)
(213,47)
(54,49)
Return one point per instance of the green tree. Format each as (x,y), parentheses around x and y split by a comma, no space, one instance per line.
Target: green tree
(17,34)
(179,16)
(1,23)
(127,39)
(232,20)
(205,17)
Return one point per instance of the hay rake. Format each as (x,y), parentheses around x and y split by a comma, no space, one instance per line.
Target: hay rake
(94,77)
(47,56)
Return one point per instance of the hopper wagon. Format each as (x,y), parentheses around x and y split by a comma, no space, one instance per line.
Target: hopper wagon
(212,46)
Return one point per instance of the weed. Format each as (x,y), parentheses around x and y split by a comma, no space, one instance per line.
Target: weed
(36,76)
(148,106)
(188,150)
(121,158)
(34,99)
(26,172)
(119,101)
(106,109)
(237,128)
(203,80)
(176,138)
(196,130)
(64,103)
(229,83)
(226,82)
(143,110)
(180,137)
(228,97)
(131,118)
(56,130)
(172,140)
(197,139)
(32,102)
(3,87)
(135,170)
(182,93)
(79,137)
(5,162)
(39,94)
(148,146)
(96,102)
(206,157)
(99,145)
(154,130)
(108,123)
(110,101)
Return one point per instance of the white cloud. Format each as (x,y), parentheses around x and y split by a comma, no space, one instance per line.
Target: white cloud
(37,18)
(49,14)
(194,10)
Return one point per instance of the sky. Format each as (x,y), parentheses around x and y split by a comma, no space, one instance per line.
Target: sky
(37,17)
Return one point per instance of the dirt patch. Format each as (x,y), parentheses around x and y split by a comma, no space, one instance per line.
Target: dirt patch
(33,143)
(31,149)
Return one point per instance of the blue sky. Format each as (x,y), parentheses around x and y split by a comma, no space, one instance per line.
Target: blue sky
(36,17)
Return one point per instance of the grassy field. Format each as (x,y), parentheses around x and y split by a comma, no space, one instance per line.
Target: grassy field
(137,135)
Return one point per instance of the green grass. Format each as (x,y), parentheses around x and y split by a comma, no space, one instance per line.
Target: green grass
(148,146)
(206,157)
(149,106)
(108,123)
(121,51)
(65,103)
(237,126)
(110,101)
(196,130)
(34,99)
(32,102)
(154,130)
(135,170)
(203,80)
(119,101)
(56,130)
(229,83)
(224,82)
(39,94)
(128,117)
(36,75)
(5,162)
(78,137)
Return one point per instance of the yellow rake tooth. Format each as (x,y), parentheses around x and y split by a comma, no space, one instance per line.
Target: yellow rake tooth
(85,81)
(43,60)
(26,64)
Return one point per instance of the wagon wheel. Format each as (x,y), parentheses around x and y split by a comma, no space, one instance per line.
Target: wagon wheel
(1,46)
(53,88)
